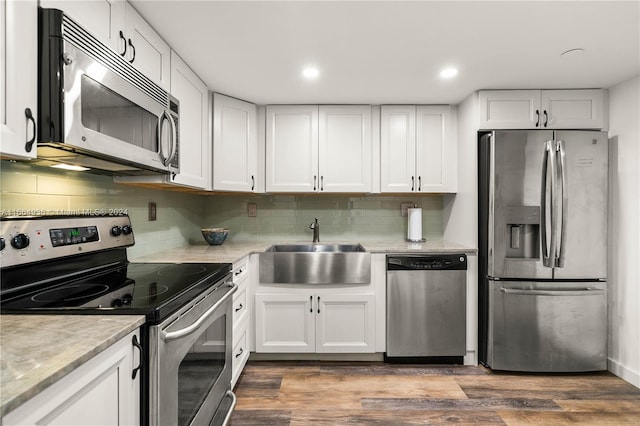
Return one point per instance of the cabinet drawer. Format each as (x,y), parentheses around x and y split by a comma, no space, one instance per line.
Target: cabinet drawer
(240,271)
(240,304)
(240,352)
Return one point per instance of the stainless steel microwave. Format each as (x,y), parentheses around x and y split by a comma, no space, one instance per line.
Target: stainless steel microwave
(96,110)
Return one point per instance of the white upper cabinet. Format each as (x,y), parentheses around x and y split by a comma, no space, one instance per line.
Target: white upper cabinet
(318,149)
(104,19)
(542,109)
(235,145)
(146,50)
(194,150)
(117,24)
(418,149)
(292,148)
(345,148)
(18,84)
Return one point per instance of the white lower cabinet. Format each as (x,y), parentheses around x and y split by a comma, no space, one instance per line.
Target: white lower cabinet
(241,314)
(99,392)
(308,320)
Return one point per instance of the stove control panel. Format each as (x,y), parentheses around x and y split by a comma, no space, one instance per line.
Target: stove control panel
(26,239)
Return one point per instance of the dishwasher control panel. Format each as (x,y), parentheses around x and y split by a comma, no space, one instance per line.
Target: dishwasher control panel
(456,262)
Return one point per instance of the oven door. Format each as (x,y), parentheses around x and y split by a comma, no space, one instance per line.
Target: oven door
(190,366)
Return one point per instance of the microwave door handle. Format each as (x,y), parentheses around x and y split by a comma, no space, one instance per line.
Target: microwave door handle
(165,159)
(562,166)
(547,256)
(174,140)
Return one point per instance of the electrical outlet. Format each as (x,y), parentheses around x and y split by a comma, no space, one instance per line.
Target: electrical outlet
(153,210)
(252,210)
(405,206)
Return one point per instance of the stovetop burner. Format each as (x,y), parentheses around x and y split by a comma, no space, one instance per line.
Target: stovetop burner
(70,293)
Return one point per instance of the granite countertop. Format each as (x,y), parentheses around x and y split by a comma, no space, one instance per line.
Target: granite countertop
(231,252)
(38,350)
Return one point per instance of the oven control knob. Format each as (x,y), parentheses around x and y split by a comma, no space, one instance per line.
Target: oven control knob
(116,231)
(1,243)
(126,230)
(20,241)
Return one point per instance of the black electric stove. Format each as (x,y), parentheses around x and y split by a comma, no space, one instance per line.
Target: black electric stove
(78,264)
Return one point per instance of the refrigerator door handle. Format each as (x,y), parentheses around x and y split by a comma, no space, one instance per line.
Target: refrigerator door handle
(562,166)
(573,292)
(548,247)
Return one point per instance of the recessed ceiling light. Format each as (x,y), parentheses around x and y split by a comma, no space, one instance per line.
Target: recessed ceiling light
(70,167)
(449,72)
(572,52)
(310,73)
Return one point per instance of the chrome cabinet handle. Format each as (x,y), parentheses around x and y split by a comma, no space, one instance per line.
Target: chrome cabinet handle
(314,182)
(239,353)
(193,327)
(311,304)
(321,183)
(537,118)
(419,183)
(123,38)
(253,182)
(239,307)
(133,56)
(412,183)
(29,145)
(546,118)
(135,343)
(318,304)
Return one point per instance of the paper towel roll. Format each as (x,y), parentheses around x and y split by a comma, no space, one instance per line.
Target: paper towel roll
(414,231)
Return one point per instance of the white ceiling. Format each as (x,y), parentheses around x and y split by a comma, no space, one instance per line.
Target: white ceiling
(392,51)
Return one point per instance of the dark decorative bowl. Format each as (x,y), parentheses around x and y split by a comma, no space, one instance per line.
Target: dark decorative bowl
(215,236)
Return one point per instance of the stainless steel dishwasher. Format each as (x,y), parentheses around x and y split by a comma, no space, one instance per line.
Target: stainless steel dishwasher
(426,308)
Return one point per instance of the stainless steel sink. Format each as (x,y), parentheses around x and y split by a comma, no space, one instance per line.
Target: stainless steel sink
(315,264)
(315,248)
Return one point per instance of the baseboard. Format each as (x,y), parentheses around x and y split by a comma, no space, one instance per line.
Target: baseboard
(315,357)
(623,372)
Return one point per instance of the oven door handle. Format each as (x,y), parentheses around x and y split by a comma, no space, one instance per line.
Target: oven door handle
(193,327)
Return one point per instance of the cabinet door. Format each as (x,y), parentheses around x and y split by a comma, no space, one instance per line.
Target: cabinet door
(292,148)
(240,351)
(398,148)
(436,153)
(194,144)
(104,19)
(146,50)
(510,109)
(285,323)
(235,145)
(573,109)
(18,84)
(99,392)
(345,148)
(345,323)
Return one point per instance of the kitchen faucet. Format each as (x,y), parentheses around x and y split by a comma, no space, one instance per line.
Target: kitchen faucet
(316,231)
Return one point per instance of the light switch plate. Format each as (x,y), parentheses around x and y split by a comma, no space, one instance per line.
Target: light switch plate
(252,210)
(153,211)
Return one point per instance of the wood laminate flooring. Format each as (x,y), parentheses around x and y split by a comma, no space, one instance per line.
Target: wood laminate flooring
(375,393)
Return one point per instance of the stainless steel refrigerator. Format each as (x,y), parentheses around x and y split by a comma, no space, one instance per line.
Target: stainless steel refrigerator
(543,250)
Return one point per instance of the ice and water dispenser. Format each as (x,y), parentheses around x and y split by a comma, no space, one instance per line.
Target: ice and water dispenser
(523,232)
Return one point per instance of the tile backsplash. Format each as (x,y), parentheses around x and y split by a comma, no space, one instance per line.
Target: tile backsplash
(341,217)
(27,189)
(30,189)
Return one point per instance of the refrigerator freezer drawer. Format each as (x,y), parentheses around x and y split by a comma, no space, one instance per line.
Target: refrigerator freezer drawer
(547,326)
